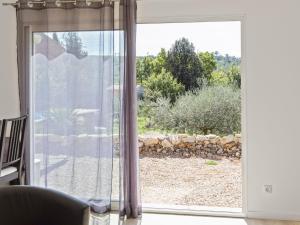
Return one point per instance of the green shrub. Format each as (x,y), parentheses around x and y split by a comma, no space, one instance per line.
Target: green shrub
(219,78)
(230,76)
(162,85)
(159,63)
(144,68)
(234,73)
(161,115)
(145,123)
(209,63)
(209,110)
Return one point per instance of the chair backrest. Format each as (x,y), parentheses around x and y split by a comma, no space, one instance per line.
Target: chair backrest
(12,134)
(27,205)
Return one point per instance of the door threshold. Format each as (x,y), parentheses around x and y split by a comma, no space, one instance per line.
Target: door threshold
(193,210)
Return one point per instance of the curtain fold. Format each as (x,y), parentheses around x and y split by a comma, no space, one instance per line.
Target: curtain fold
(131,206)
(76,64)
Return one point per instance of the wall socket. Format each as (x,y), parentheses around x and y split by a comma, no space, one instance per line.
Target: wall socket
(268,188)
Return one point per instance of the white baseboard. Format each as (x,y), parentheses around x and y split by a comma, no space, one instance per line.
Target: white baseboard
(273,215)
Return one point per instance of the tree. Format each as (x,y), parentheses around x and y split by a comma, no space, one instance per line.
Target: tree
(184,64)
(162,85)
(223,62)
(230,76)
(234,74)
(73,45)
(219,78)
(144,68)
(159,63)
(209,63)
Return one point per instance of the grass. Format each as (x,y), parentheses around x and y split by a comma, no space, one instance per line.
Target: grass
(211,163)
(144,125)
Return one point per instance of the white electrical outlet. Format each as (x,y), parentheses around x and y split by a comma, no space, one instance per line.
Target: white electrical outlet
(268,188)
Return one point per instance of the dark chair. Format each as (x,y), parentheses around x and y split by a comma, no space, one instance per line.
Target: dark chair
(28,205)
(12,132)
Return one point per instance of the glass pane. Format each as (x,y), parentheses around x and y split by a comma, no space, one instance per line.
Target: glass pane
(189,117)
(73,84)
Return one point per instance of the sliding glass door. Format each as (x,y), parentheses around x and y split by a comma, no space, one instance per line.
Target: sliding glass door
(74,104)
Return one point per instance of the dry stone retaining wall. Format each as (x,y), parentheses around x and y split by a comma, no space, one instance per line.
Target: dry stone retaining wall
(182,145)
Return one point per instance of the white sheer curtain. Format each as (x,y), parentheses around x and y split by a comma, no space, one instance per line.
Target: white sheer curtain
(73,113)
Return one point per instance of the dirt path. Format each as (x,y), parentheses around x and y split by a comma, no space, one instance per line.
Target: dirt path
(191,181)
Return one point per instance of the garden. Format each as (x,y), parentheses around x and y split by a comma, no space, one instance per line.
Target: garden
(189,123)
(184,91)
(189,120)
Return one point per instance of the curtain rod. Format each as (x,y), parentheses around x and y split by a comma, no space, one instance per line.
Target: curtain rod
(14,4)
(58,2)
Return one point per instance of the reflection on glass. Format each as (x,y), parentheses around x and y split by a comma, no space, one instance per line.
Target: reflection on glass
(75,113)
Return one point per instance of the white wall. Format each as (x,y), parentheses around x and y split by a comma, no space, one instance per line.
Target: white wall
(9,95)
(272,47)
(272,108)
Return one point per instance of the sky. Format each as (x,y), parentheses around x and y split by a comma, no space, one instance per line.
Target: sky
(224,37)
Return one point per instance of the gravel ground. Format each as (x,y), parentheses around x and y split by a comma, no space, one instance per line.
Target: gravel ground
(191,181)
(172,181)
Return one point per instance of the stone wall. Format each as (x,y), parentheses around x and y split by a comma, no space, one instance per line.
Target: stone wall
(182,145)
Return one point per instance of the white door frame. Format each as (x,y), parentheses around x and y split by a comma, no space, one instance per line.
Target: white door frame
(216,18)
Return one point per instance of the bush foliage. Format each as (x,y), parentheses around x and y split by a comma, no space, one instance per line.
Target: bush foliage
(229,77)
(189,92)
(209,63)
(214,109)
(162,85)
